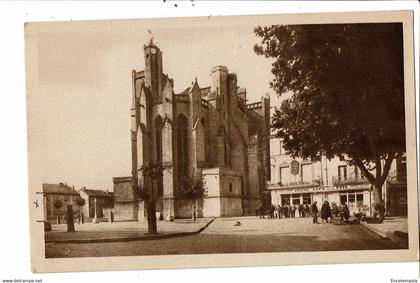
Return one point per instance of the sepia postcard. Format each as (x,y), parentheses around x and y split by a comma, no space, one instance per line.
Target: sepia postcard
(221,141)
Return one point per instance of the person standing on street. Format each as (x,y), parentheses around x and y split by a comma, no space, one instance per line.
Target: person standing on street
(300,209)
(324,212)
(329,214)
(308,210)
(314,213)
(346,212)
(279,211)
(261,212)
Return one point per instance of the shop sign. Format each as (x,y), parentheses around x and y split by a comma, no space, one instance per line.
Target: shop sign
(324,189)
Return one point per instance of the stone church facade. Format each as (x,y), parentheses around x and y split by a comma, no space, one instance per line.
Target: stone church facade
(209,129)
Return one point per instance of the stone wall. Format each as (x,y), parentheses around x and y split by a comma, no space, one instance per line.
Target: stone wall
(211,207)
(230,206)
(183,208)
(126,203)
(126,211)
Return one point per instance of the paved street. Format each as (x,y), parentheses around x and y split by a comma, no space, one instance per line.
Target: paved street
(253,235)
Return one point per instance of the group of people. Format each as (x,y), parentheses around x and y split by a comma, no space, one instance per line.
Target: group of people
(284,211)
(328,213)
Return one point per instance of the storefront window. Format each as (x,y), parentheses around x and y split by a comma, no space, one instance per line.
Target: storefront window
(285,199)
(343,199)
(359,198)
(307,199)
(351,199)
(296,199)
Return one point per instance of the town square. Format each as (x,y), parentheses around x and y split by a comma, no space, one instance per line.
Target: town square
(160,148)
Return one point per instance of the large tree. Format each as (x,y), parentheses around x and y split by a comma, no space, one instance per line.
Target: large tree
(345,86)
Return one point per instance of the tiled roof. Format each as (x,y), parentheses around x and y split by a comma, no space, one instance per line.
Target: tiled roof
(60,188)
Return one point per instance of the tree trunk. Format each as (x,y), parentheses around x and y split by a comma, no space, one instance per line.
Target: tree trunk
(70,220)
(379,206)
(151,216)
(377,194)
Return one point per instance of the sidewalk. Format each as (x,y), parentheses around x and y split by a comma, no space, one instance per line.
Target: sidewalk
(124,231)
(393,228)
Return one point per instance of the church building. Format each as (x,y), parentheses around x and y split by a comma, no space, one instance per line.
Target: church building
(210,129)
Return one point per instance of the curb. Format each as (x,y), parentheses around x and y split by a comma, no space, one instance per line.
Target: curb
(397,237)
(381,234)
(144,237)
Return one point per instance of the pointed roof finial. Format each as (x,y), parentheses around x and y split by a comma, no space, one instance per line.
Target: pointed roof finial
(151,36)
(195,79)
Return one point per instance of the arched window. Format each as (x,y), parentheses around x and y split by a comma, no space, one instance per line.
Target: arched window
(182,146)
(158,147)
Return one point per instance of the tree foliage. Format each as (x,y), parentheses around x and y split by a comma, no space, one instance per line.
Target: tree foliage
(151,172)
(80,201)
(192,187)
(346,92)
(58,204)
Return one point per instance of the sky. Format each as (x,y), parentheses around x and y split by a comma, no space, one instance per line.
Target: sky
(78,77)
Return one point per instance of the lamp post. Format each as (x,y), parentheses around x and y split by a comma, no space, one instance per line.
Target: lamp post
(95,219)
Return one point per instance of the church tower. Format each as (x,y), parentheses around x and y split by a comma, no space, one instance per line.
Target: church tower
(153,72)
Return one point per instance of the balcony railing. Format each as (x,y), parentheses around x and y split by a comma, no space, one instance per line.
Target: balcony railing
(348,180)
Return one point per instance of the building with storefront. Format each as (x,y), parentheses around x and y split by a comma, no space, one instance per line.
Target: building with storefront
(297,181)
